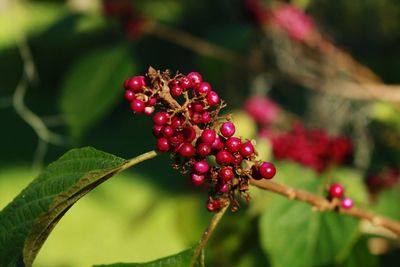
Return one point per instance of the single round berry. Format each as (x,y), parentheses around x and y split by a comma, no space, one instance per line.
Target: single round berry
(160,118)
(203,149)
(210,206)
(151,102)
(189,133)
(336,190)
(346,203)
(197,107)
(213,98)
(223,188)
(201,167)
(204,88)
(137,105)
(197,179)
(186,150)
(167,131)
(226,174)
(196,118)
(237,160)
(176,140)
(246,149)
(162,144)
(217,144)
(157,130)
(148,110)
(126,83)
(205,117)
(177,122)
(233,144)
(176,90)
(267,170)
(129,95)
(185,83)
(195,78)
(136,83)
(224,158)
(255,172)
(208,136)
(227,129)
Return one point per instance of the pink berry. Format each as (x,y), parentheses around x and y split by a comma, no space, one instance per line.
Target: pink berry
(197,179)
(204,88)
(195,78)
(205,117)
(213,98)
(208,136)
(226,174)
(224,158)
(233,144)
(176,90)
(223,188)
(189,133)
(136,83)
(227,129)
(267,170)
(186,150)
(167,131)
(201,167)
(160,118)
(336,190)
(162,144)
(185,83)
(148,110)
(137,105)
(218,144)
(346,203)
(129,95)
(210,206)
(246,149)
(203,149)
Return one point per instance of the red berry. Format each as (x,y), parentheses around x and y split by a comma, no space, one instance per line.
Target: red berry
(126,83)
(186,150)
(213,98)
(185,83)
(210,206)
(196,118)
(157,130)
(205,117)
(203,89)
(197,107)
(346,203)
(208,136)
(136,83)
(162,144)
(227,129)
(246,149)
(255,173)
(201,167)
(137,105)
(224,158)
(267,170)
(237,159)
(176,90)
(223,188)
(195,78)
(177,122)
(129,95)
(233,144)
(218,144)
(226,174)
(176,140)
(167,131)
(189,133)
(160,118)
(203,149)
(151,102)
(336,190)
(197,179)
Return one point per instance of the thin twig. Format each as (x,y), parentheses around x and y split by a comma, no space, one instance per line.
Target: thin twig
(322,204)
(207,234)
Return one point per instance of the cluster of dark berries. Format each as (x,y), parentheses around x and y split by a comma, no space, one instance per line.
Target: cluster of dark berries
(336,191)
(386,178)
(202,143)
(311,147)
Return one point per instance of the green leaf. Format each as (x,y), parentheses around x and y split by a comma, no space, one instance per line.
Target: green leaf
(360,255)
(27,221)
(388,203)
(93,86)
(292,234)
(181,259)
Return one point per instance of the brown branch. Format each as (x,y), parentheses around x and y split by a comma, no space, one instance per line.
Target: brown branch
(322,204)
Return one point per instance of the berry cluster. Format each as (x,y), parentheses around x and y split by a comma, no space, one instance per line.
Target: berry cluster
(386,178)
(312,148)
(201,142)
(336,191)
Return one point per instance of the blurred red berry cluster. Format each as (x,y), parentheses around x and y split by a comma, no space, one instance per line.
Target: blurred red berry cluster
(383,179)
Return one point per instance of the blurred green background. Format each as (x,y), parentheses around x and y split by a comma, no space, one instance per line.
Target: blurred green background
(76,55)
